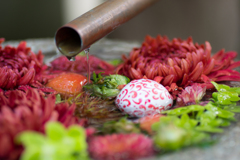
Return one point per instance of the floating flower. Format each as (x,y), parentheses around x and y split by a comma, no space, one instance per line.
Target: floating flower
(120,147)
(191,95)
(29,111)
(80,65)
(179,61)
(19,66)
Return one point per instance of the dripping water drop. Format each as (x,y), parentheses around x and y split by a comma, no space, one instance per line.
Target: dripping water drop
(72,58)
(88,64)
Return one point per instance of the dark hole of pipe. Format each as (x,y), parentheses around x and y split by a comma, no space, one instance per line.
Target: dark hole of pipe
(68,41)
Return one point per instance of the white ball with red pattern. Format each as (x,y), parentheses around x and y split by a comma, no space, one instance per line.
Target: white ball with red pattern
(143,97)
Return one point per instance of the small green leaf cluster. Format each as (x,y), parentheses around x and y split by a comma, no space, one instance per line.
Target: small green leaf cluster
(59,143)
(194,124)
(106,87)
(173,133)
(225,95)
(58,99)
(121,126)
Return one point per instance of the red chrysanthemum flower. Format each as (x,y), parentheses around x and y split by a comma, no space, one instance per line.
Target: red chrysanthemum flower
(120,147)
(80,65)
(29,111)
(19,66)
(179,61)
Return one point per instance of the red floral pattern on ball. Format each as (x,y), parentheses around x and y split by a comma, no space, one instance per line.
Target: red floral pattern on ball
(143,97)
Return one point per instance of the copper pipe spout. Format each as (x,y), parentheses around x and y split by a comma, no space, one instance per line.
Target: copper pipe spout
(83,31)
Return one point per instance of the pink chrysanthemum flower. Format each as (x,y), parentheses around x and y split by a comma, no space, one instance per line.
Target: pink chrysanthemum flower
(29,111)
(120,147)
(191,95)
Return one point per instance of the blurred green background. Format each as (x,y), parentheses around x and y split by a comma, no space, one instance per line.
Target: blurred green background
(216,21)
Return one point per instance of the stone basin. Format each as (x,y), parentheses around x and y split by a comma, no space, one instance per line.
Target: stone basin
(227,146)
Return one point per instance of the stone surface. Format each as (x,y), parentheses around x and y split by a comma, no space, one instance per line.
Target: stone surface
(46,45)
(105,49)
(228,143)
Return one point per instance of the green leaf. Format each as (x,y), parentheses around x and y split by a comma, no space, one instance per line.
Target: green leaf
(208,114)
(224,122)
(225,94)
(55,131)
(172,132)
(106,87)
(209,129)
(78,135)
(120,80)
(184,110)
(100,75)
(58,99)
(235,89)
(220,87)
(59,143)
(197,137)
(223,88)
(30,155)
(194,123)
(232,108)
(109,92)
(186,122)
(30,138)
(170,137)
(177,111)
(94,77)
(220,112)
(226,98)
(76,132)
